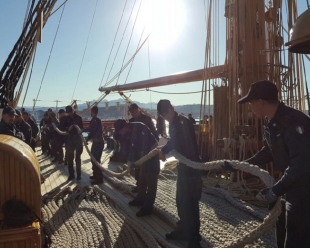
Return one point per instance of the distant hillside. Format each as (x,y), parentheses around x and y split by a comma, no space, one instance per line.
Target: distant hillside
(113,113)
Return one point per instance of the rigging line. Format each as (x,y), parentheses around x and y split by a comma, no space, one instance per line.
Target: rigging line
(58,7)
(308,4)
(27,13)
(132,58)
(177,93)
(49,57)
(113,44)
(92,21)
(121,40)
(29,76)
(130,36)
(308,100)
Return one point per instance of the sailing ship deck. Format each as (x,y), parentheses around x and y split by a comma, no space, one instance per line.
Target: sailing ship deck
(56,177)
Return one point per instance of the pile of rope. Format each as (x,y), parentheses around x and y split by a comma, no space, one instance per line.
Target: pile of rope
(88,217)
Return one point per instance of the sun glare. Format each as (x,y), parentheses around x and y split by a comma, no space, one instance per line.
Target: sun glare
(164,19)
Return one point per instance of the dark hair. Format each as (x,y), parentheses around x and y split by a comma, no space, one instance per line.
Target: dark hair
(94,109)
(163,106)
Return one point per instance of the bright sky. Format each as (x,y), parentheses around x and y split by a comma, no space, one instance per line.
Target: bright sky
(176,44)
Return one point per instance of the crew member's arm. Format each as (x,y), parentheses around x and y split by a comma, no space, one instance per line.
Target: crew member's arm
(297,140)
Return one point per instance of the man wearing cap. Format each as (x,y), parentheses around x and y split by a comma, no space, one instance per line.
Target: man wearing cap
(138,116)
(137,141)
(34,129)
(287,145)
(73,142)
(95,134)
(23,126)
(189,182)
(7,123)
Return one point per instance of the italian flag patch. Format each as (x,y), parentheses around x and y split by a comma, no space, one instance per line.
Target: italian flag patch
(300,130)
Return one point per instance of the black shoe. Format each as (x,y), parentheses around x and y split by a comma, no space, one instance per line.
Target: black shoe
(96,181)
(176,235)
(135,190)
(60,161)
(70,178)
(142,213)
(194,244)
(134,203)
(66,162)
(78,178)
(92,177)
(54,160)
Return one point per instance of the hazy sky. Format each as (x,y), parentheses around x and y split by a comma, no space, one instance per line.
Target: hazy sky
(176,44)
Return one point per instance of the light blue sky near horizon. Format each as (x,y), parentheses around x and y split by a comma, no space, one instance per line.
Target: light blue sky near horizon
(178,24)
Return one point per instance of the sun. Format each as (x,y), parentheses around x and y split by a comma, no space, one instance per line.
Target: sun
(164,19)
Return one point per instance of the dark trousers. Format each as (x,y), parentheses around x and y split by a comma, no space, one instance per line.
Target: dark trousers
(74,143)
(45,143)
(148,184)
(96,151)
(33,145)
(298,217)
(189,188)
(137,176)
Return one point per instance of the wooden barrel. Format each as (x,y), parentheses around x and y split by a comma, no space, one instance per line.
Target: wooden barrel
(19,178)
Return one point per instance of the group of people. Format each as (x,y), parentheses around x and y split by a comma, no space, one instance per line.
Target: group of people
(138,137)
(53,140)
(286,143)
(19,124)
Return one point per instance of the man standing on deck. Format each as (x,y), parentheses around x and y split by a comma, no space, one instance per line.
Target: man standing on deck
(137,116)
(73,142)
(189,182)
(34,129)
(45,134)
(137,140)
(95,133)
(6,124)
(287,145)
(23,126)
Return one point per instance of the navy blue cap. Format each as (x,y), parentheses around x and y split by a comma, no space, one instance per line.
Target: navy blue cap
(133,106)
(119,124)
(264,90)
(18,113)
(7,110)
(61,111)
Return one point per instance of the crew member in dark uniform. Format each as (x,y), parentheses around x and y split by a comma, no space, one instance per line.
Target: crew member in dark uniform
(6,124)
(73,142)
(190,117)
(62,138)
(189,182)
(44,123)
(138,116)
(23,126)
(34,129)
(138,141)
(55,138)
(287,145)
(95,133)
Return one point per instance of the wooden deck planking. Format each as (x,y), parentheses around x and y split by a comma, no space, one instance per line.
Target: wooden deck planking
(56,177)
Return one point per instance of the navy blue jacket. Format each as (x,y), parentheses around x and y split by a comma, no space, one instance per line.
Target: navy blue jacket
(287,145)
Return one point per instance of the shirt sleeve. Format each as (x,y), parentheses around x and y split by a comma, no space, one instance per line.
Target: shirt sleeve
(263,156)
(297,140)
